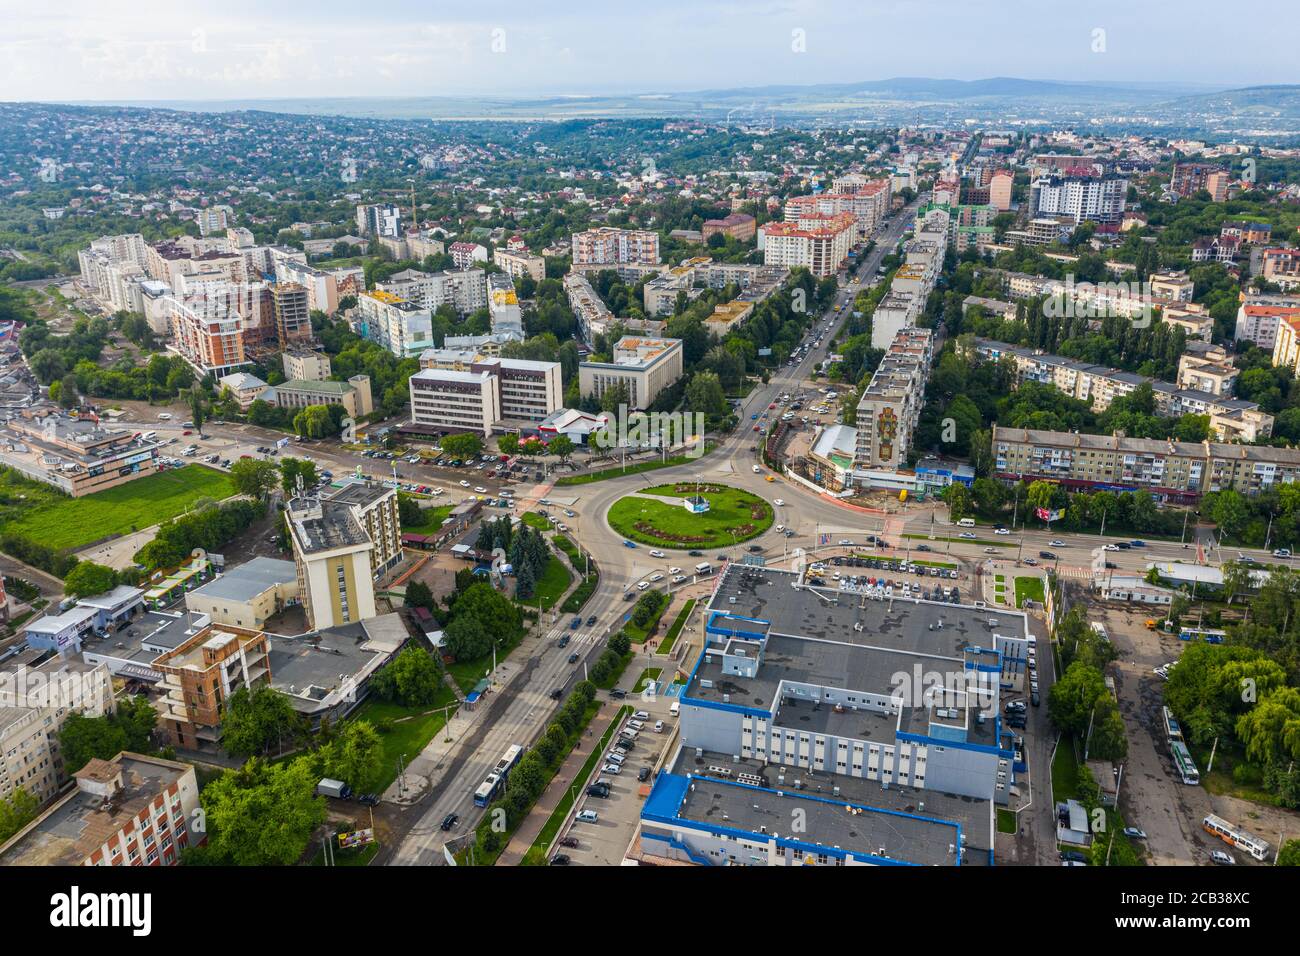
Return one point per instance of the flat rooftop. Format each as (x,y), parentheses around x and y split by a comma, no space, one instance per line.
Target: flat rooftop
(247,581)
(910,825)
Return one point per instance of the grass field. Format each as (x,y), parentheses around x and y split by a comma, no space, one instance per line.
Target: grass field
(433,519)
(406,736)
(982,542)
(733,516)
(647,675)
(1031,588)
(554,582)
(73,523)
(535,521)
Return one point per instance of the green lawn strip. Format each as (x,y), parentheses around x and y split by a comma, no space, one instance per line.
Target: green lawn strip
(404,736)
(1006,821)
(537,854)
(638,635)
(729,519)
(574,602)
(667,643)
(433,519)
(1065,772)
(647,675)
(534,520)
(618,470)
(554,582)
(1031,588)
(490,859)
(984,542)
(353,856)
(74,522)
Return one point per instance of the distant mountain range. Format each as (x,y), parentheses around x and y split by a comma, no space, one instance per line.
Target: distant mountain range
(1168,107)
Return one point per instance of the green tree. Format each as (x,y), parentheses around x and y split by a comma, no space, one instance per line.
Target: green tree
(355,756)
(293,468)
(467,639)
(508,444)
(129,727)
(89,578)
(263,814)
(255,477)
(412,678)
(257,719)
(16,812)
(1073,697)
(418,594)
(561,446)
(463,447)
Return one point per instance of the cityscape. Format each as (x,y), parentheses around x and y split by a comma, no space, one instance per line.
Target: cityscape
(697,472)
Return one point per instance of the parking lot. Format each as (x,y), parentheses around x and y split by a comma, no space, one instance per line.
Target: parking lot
(603,842)
(886,578)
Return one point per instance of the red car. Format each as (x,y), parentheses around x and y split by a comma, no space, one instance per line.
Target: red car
(773,405)
(187,433)
(755,428)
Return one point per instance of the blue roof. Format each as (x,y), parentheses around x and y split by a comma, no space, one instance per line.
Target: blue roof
(666,797)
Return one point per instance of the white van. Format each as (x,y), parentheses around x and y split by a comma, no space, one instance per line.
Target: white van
(966,523)
(703,568)
(149,436)
(627,733)
(674,708)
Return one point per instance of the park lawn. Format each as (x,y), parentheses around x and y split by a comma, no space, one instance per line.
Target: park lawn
(1006,821)
(535,521)
(433,519)
(667,643)
(72,523)
(407,736)
(729,519)
(947,566)
(554,582)
(638,635)
(1031,588)
(1065,771)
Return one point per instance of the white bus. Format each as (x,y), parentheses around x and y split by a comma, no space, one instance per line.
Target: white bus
(1235,836)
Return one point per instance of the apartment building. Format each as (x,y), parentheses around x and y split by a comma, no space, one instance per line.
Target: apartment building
(819,243)
(377,219)
(244,387)
(399,325)
(1286,347)
(306,365)
(1098,199)
(1208,370)
(210,339)
(1000,190)
(471,391)
(76,455)
(1179,472)
(895,312)
(332,553)
(1232,419)
(517,263)
(645,365)
(1172,286)
(867,202)
(890,406)
(467,254)
(291,310)
(132,810)
(1189,178)
(1215,249)
(1258,320)
(1250,233)
(738,225)
(592,313)
(321,287)
(199,677)
(1191,318)
(1281,265)
(607,246)
(465,290)
(503,306)
(374,508)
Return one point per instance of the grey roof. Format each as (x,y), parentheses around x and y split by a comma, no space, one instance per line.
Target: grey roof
(247,581)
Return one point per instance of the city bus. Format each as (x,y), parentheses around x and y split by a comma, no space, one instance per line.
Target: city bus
(1235,836)
(495,780)
(1183,763)
(1208,635)
(1173,732)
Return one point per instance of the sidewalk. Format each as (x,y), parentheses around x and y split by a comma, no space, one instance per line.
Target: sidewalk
(522,840)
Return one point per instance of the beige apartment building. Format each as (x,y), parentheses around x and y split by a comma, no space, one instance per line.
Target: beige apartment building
(891,404)
(819,243)
(353,395)
(305,365)
(645,365)
(332,553)
(518,264)
(1179,472)
(467,390)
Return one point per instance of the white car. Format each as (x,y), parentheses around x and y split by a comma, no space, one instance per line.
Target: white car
(436,492)
(464,483)
(1001,531)
(757,470)
(778,502)
(1112,547)
(480,490)
(642,585)
(678,578)
(1055,543)
(674,570)
(657,554)
(656,578)
(612,769)
(968,535)
(570,514)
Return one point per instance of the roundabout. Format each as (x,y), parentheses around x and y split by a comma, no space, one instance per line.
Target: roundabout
(690,515)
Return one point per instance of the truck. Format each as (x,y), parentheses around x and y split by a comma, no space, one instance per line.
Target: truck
(333,788)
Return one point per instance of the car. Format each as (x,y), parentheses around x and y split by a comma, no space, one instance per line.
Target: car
(643,774)
(1031,561)
(755,428)
(771,406)
(560,859)
(449,821)
(591,620)
(1047,555)
(754,418)
(659,726)
(1222,858)
(1074,856)
(780,503)
(629,544)
(598,790)
(1034,698)
(696,554)
(464,483)
(563,641)
(587,816)
(990,550)
(575,623)
(573,658)
(567,513)
(1282,553)
(1056,543)
(757,470)
(615,757)
(557,693)
(1137,544)
(642,585)
(1017,706)
(919,547)
(612,769)
(678,578)
(628,596)
(657,554)
(569,842)
(754,548)
(369,799)
(480,490)
(1112,547)
(1135,833)
(968,535)
(1001,531)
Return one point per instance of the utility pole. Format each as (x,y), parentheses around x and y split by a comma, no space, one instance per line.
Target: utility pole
(1210,765)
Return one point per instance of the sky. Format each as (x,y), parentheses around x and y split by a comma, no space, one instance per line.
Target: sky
(240,49)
